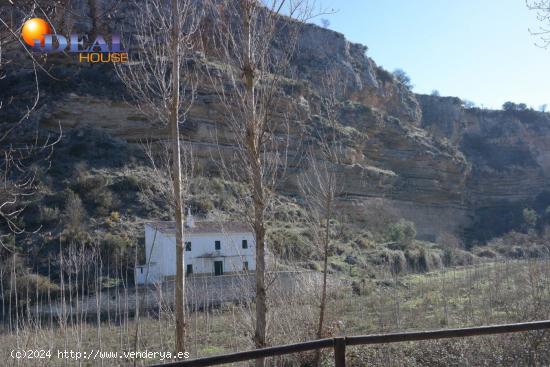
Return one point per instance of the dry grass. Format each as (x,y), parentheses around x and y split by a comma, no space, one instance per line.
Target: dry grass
(489,293)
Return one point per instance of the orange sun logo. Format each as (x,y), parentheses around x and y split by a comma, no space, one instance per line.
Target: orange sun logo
(35,29)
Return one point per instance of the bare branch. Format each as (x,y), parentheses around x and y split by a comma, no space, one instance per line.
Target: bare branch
(542,9)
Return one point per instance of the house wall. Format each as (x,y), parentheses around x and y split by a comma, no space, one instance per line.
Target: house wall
(203,253)
(161,254)
(152,270)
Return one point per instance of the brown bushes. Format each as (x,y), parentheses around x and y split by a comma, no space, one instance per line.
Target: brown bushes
(35,285)
(416,258)
(423,260)
(485,252)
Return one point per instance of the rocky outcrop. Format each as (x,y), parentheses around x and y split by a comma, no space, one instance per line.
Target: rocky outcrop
(509,152)
(320,50)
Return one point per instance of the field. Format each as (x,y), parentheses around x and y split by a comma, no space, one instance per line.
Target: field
(508,291)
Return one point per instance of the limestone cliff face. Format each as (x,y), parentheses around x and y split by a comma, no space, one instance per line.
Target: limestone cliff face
(321,50)
(509,152)
(434,161)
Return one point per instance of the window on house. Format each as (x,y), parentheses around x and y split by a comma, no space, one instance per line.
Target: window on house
(245,266)
(245,244)
(188,246)
(141,270)
(217,245)
(189,269)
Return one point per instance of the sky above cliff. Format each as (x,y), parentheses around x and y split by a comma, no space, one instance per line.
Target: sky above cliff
(477,50)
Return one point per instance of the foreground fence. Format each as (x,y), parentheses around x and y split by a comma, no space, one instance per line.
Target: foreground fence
(339,344)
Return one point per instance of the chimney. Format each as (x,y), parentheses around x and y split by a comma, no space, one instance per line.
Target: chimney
(189,222)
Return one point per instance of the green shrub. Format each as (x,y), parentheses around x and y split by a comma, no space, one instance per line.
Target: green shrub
(35,284)
(113,219)
(103,200)
(423,260)
(403,231)
(447,256)
(48,214)
(434,260)
(463,258)
(115,216)
(225,201)
(486,252)
(516,252)
(74,213)
(127,183)
(288,212)
(201,205)
(291,244)
(95,191)
(457,257)
(217,185)
(394,259)
(402,77)
(76,235)
(530,217)
(86,183)
(398,262)
(115,248)
(363,243)
(315,266)
(384,75)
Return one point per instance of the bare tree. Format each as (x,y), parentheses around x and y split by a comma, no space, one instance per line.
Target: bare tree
(542,8)
(255,41)
(321,184)
(160,80)
(160,157)
(24,149)
(402,77)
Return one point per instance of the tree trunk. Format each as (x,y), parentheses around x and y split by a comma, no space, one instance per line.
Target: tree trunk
(252,145)
(322,305)
(176,182)
(258,197)
(261,296)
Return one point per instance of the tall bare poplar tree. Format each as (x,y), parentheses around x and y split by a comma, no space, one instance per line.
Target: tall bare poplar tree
(161,81)
(321,184)
(256,41)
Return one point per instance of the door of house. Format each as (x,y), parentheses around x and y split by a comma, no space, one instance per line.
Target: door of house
(218,267)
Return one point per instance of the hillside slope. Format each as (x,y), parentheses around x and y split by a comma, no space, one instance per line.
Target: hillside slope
(447,168)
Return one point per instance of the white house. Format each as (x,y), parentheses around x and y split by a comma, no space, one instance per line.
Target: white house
(212,248)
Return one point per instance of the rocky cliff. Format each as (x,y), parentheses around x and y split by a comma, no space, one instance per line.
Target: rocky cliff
(427,157)
(508,152)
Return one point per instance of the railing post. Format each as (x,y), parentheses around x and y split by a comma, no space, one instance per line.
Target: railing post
(339,352)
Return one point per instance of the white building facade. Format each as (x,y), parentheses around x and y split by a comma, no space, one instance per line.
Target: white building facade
(211,248)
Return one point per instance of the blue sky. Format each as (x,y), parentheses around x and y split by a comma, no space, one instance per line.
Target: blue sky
(480,50)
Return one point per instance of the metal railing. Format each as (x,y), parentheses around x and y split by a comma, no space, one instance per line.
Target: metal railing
(339,344)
